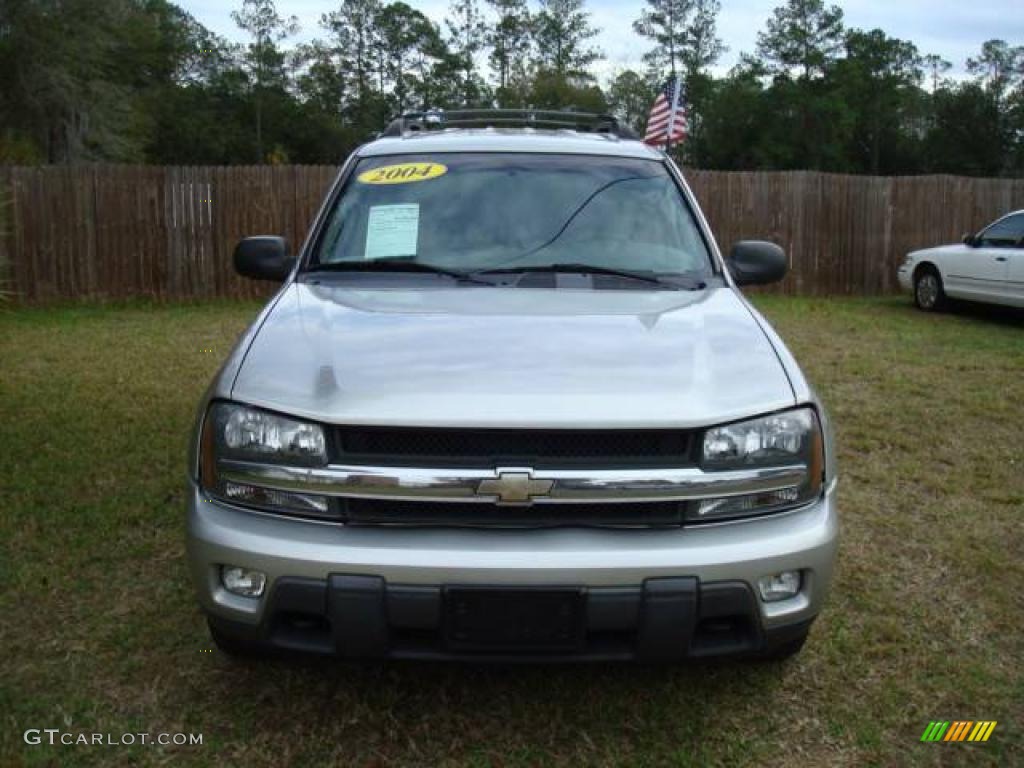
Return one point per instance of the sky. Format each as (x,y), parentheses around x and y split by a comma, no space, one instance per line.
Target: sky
(954,29)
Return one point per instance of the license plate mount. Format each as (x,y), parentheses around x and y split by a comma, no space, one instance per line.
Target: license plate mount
(514,619)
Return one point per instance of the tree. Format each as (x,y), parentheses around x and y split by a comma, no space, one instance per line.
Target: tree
(409,41)
(88,81)
(142,81)
(880,78)
(442,85)
(549,90)
(684,34)
(936,67)
(998,67)
(805,36)
(63,93)
(999,71)
(1014,111)
(319,81)
(701,45)
(467,36)
(196,97)
(265,62)
(802,34)
(354,50)
(562,32)
(630,96)
(509,40)
(737,123)
(664,22)
(965,137)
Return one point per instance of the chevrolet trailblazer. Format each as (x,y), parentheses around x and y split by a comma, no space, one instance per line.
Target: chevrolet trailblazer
(510,403)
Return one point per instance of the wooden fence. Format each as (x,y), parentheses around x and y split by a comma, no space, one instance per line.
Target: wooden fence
(115,232)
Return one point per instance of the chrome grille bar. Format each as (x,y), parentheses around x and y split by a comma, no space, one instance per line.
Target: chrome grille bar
(548,486)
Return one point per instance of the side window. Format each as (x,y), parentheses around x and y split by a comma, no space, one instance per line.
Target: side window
(1006,233)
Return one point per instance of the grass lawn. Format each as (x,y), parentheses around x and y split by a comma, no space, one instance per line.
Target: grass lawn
(99,631)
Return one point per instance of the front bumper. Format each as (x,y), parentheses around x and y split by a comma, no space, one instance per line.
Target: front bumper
(905,277)
(378,591)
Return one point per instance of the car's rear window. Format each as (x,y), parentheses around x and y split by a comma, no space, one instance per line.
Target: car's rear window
(491,210)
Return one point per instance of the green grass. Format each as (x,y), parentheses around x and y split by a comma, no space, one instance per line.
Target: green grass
(100,633)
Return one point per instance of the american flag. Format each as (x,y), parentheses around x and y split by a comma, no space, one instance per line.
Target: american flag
(667,121)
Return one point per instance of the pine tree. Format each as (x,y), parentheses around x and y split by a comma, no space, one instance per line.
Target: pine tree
(701,45)
(467,36)
(562,32)
(509,40)
(665,23)
(260,19)
(802,34)
(354,42)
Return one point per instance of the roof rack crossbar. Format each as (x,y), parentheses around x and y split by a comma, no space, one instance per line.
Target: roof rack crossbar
(507,121)
(589,122)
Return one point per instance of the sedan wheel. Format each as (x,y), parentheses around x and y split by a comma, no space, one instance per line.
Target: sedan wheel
(928,293)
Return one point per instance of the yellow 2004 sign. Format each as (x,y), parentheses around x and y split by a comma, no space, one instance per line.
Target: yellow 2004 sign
(404,173)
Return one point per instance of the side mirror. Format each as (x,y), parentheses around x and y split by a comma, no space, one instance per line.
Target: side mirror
(970,240)
(263,258)
(756,262)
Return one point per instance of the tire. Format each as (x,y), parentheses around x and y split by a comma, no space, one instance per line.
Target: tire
(785,649)
(928,292)
(235,646)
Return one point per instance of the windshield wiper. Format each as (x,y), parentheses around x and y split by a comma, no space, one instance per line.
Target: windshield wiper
(588,269)
(394,264)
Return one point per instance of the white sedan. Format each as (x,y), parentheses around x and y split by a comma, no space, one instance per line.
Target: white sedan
(988,266)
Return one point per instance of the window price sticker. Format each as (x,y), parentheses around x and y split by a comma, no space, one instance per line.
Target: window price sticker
(392,231)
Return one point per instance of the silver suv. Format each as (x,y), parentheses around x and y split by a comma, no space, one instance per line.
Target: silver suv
(510,403)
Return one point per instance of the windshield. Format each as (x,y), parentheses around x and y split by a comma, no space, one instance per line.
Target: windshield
(477,212)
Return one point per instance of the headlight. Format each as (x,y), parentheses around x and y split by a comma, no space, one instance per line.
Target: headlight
(791,438)
(769,441)
(233,432)
(253,435)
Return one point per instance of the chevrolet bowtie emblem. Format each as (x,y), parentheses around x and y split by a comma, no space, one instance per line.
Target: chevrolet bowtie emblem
(516,487)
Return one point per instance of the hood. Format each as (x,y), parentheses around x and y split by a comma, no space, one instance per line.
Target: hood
(939,250)
(512,357)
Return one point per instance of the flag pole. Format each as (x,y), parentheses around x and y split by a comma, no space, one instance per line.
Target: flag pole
(672,115)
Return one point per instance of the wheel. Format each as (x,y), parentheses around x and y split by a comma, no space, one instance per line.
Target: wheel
(234,645)
(928,293)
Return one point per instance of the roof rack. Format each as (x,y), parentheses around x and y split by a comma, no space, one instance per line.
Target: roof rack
(436,120)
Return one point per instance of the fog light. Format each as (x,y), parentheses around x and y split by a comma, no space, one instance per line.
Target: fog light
(242,581)
(779,586)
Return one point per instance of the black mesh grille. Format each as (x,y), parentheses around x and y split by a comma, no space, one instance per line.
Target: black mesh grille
(380,512)
(533,448)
